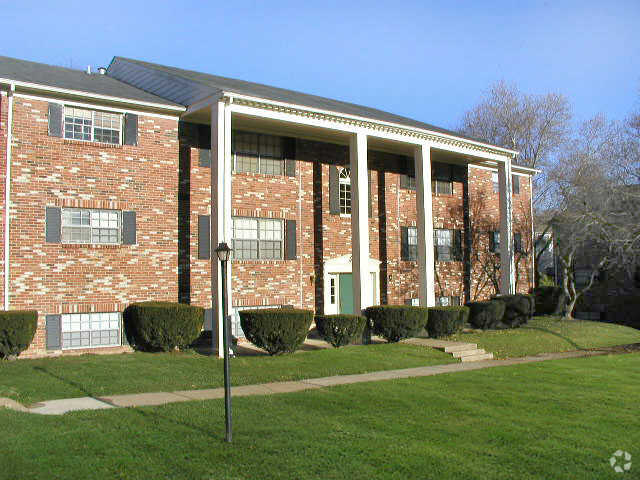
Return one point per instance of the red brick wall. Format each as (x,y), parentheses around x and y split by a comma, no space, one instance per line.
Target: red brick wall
(3,166)
(50,171)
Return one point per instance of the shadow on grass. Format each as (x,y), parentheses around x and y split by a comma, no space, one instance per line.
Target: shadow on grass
(82,388)
(555,334)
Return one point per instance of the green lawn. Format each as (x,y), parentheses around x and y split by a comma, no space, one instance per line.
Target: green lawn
(551,420)
(30,381)
(550,334)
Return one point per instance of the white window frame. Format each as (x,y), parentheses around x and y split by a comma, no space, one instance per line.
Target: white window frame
(344,186)
(69,319)
(258,238)
(93,124)
(412,242)
(495,182)
(90,227)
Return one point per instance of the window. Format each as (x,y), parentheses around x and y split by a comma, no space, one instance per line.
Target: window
(412,243)
(255,153)
(517,243)
(345,191)
(92,126)
(515,182)
(447,244)
(495,180)
(257,238)
(408,182)
(87,330)
(494,242)
(81,225)
(450,301)
(332,290)
(442,183)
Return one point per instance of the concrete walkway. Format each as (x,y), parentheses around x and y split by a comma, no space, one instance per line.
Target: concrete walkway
(59,407)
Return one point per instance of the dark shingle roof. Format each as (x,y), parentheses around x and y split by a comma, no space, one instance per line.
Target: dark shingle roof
(120,67)
(67,78)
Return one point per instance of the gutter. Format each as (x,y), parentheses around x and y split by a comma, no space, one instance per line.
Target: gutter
(7,194)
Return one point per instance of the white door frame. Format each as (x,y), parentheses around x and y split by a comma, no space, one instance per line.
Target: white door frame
(335,266)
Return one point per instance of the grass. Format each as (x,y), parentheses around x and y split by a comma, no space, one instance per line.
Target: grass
(550,334)
(31,381)
(557,419)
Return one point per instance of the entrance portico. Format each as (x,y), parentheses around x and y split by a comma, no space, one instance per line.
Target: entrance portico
(360,135)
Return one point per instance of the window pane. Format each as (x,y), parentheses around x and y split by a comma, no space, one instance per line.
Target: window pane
(245,228)
(245,143)
(245,249)
(77,123)
(270,230)
(271,166)
(270,146)
(246,163)
(90,330)
(412,236)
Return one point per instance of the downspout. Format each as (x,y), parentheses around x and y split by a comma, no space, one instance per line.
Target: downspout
(7,194)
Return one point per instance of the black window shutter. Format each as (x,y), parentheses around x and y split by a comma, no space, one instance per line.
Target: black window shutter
(208,319)
(492,242)
(53,329)
(128,228)
(370,194)
(55,120)
(290,252)
(517,242)
(457,244)
(204,237)
(124,339)
(289,146)
(334,191)
(204,157)
(404,243)
(53,223)
(131,129)
(515,180)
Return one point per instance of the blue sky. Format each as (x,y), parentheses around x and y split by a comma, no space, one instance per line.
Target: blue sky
(428,60)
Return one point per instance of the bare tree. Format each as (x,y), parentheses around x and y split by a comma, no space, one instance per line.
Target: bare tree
(537,126)
(596,225)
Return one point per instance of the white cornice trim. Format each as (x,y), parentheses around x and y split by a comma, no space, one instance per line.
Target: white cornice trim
(79,93)
(368,123)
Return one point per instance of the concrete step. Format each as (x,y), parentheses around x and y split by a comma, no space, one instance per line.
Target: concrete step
(477,358)
(460,347)
(467,353)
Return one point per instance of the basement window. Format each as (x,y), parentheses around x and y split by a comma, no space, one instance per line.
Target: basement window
(89,330)
(92,125)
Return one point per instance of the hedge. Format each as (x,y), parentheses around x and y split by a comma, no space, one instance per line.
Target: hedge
(395,322)
(340,330)
(519,309)
(162,326)
(276,330)
(445,321)
(17,328)
(549,300)
(487,314)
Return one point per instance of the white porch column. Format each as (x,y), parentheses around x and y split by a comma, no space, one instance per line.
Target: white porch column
(220,207)
(507,283)
(362,288)
(426,264)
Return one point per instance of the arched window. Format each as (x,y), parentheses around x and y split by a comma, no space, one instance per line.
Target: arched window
(345,191)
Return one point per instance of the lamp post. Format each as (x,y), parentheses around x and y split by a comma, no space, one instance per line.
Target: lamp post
(224,252)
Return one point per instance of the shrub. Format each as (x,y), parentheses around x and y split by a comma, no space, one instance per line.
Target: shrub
(519,309)
(486,315)
(395,322)
(277,330)
(163,326)
(549,300)
(17,328)
(445,321)
(340,330)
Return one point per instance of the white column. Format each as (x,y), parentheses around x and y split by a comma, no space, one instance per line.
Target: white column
(220,207)
(362,287)
(426,264)
(507,283)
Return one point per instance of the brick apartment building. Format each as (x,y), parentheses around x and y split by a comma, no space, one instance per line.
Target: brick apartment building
(107,199)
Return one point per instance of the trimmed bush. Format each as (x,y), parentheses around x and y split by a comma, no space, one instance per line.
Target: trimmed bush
(276,330)
(549,300)
(518,309)
(486,315)
(340,330)
(395,322)
(445,321)
(163,326)
(17,328)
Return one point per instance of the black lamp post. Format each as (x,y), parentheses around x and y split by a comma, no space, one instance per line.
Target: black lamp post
(224,252)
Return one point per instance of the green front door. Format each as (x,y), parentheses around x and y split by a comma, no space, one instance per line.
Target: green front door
(346,293)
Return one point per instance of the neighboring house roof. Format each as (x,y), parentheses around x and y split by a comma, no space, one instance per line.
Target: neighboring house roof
(77,80)
(188,87)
